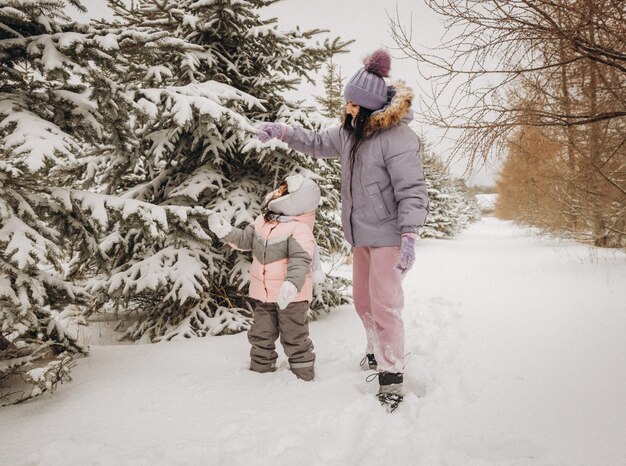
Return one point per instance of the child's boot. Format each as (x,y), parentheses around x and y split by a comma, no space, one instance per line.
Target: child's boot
(262,368)
(303,370)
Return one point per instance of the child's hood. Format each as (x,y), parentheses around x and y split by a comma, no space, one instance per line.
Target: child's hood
(304,197)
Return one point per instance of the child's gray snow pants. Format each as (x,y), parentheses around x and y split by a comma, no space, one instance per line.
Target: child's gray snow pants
(292,326)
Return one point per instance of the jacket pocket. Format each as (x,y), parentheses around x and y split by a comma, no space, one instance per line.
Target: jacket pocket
(376,200)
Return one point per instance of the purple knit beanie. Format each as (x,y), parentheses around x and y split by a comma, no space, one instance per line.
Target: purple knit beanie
(367,87)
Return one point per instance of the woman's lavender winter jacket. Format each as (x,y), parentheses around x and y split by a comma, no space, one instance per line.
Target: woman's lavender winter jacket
(389,195)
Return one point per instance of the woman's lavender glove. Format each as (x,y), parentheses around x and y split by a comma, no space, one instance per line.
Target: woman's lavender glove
(407,253)
(267,131)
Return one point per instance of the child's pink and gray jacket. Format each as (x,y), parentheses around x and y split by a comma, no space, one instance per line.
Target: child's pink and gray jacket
(281,250)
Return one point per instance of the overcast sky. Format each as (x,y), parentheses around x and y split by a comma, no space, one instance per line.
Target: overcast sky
(365,21)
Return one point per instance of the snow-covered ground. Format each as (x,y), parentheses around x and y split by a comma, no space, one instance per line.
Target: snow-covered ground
(517,357)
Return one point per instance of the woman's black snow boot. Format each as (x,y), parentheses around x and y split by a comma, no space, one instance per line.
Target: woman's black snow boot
(390,390)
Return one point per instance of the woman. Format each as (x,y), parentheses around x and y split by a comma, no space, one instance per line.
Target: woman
(384,201)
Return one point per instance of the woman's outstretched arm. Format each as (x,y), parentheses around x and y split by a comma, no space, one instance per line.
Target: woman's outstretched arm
(323,144)
(318,144)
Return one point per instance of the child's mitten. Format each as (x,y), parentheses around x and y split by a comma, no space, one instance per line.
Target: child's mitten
(407,253)
(267,131)
(218,225)
(286,294)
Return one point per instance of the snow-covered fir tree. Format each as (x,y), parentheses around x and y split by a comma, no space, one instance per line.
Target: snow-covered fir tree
(452,206)
(44,117)
(332,103)
(60,107)
(196,152)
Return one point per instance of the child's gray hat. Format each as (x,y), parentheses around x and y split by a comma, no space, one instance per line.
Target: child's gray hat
(304,196)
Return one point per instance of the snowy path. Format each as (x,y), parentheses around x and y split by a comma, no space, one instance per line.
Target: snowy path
(518,351)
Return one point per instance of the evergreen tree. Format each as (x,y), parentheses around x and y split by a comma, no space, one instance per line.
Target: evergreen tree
(59,108)
(331,102)
(196,152)
(452,206)
(41,114)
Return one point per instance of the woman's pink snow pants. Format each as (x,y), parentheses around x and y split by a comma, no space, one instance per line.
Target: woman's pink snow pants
(379,299)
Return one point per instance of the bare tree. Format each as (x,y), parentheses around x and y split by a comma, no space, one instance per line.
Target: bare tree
(494,46)
(558,66)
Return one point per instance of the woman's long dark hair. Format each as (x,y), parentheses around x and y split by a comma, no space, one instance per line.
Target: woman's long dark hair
(357,132)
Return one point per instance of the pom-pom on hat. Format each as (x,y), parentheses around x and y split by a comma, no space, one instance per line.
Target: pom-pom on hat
(367,87)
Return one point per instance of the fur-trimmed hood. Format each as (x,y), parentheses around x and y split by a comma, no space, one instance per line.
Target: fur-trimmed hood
(396,110)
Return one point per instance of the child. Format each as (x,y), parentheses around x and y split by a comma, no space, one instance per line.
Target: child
(282,244)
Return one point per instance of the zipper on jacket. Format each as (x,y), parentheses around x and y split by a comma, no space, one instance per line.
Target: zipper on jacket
(352,164)
(265,240)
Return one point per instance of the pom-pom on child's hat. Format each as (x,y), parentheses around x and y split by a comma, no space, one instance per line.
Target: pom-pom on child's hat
(304,196)
(367,87)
